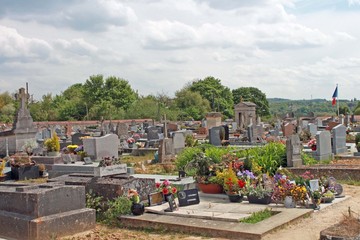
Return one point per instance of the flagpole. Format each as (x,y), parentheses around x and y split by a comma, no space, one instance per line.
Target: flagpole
(337,102)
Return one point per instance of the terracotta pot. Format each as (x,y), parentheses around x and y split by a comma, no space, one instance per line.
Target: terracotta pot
(212,188)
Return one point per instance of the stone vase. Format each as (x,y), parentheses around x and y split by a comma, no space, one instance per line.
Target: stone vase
(289,202)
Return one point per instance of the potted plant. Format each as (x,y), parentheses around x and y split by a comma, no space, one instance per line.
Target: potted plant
(327,197)
(166,189)
(137,208)
(22,167)
(52,145)
(234,187)
(29,146)
(204,172)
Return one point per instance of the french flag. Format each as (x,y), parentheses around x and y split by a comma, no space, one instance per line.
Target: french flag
(334,96)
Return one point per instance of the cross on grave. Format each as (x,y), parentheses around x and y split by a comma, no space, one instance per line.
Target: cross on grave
(165,127)
(23,97)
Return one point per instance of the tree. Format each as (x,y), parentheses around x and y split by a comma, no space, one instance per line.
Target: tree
(7,108)
(344,109)
(191,104)
(252,94)
(119,92)
(219,96)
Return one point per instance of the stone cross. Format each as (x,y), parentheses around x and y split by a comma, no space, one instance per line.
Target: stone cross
(23,97)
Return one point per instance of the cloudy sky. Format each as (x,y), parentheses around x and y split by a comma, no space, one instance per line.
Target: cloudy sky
(296,49)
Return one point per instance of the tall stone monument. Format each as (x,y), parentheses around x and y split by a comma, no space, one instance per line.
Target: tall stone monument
(244,111)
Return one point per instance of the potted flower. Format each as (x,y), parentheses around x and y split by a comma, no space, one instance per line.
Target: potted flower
(166,189)
(22,167)
(52,145)
(137,208)
(204,171)
(130,142)
(29,146)
(327,197)
(234,187)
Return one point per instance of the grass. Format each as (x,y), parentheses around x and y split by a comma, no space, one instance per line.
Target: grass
(350,182)
(136,159)
(258,216)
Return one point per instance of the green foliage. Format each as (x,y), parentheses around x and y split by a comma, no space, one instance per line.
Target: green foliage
(252,94)
(52,144)
(267,159)
(95,202)
(199,165)
(116,207)
(186,156)
(190,141)
(191,104)
(216,153)
(308,160)
(258,216)
(7,108)
(357,139)
(219,96)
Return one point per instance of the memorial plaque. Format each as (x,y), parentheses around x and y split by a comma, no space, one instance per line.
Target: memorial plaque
(188,197)
(67,158)
(155,198)
(172,204)
(87,161)
(110,170)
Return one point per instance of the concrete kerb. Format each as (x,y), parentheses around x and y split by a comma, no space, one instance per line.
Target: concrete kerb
(209,226)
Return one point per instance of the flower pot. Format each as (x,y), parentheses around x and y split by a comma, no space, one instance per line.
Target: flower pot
(289,202)
(235,197)
(53,154)
(137,209)
(166,197)
(211,188)
(257,200)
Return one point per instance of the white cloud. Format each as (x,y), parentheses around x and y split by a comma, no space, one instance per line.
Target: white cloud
(76,46)
(15,46)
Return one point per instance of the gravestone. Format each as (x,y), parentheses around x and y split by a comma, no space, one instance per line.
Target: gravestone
(323,146)
(318,122)
(312,128)
(76,138)
(234,126)
(46,133)
(347,120)
(213,119)
(250,133)
(122,131)
(100,147)
(172,127)
(293,151)
(152,133)
(87,161)
(43,211)
(178,142)
(214,136)
(304,124)
(342,119)
(288,129)
(339,139)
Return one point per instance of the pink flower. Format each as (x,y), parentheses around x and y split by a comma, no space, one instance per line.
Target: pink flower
(166,183)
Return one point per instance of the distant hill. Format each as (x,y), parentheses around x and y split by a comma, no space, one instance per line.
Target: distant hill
(320,107)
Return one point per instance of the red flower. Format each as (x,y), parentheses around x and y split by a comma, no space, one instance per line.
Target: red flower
(158,185)
(165,191)
(241,183)
(173,190)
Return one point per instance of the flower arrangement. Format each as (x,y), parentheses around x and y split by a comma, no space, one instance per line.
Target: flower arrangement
(52,144)
(130,140)
(232,184)
(133,196)
(72,148)
(166,188)
(312,144)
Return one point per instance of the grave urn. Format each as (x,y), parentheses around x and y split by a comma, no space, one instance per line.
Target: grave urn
(289,202)
(137,209)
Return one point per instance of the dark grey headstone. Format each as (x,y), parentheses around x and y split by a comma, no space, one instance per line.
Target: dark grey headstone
(152,133)
(76,138)
(214,136)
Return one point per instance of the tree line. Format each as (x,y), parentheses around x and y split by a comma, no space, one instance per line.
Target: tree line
(113,98)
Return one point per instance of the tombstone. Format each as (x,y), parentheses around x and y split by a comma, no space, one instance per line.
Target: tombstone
(304,124)
(347,120)
(288,129)
(202,130)
(133,128)
(214,136)
(244,111)
(106,128)
(250,133)
(178,142)
(342,119)
(46,133)
(339,139)
(152,133)
(312,128)
(293,151)
(234,126)
(122,131)
(213,119)
(323,146)
(318,122)
(100,147)
(76,138)
(145,125)
(171,127)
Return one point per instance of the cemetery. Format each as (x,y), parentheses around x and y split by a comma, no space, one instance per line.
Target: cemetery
(205,177)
